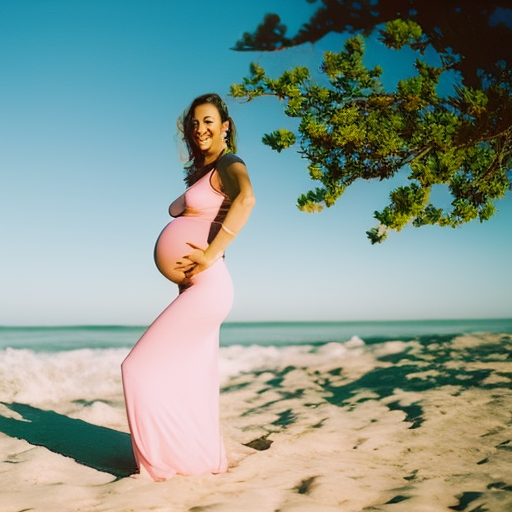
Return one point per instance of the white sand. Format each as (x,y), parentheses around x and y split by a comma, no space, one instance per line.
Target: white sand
(358,453)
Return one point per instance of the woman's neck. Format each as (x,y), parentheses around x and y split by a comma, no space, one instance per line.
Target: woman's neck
(209,158)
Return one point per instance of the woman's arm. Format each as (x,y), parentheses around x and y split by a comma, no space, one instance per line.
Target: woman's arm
(238,214)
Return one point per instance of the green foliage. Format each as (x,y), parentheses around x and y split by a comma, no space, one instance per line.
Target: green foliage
(354,129)
(279,140)
(311,201)
(399,33)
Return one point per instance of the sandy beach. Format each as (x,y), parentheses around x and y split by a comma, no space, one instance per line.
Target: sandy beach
(401,426)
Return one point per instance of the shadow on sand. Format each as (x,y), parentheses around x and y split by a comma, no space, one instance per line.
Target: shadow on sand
(98,447)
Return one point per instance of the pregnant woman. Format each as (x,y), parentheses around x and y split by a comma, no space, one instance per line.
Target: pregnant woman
(170,377)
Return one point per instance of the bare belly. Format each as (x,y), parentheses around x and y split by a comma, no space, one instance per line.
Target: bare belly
(171,245)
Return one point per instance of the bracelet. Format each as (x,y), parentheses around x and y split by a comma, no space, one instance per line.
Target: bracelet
(228,231)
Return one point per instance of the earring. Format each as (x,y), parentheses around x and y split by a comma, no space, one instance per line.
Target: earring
(224,136)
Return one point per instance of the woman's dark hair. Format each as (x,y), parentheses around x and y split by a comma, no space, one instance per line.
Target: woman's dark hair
(186,127)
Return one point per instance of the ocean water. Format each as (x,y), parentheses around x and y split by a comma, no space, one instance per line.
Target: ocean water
(71,364)
(279,334)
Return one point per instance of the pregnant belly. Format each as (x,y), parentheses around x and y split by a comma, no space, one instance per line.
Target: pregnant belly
(171,245)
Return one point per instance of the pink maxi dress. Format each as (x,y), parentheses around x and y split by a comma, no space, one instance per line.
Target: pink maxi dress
(170,377)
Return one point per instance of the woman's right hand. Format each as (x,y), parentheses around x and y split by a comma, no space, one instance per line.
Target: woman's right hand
(180,274)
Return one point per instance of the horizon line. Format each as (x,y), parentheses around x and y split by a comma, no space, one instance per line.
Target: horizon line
(241,322)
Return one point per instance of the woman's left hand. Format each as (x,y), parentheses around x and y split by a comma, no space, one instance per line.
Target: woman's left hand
(195,262)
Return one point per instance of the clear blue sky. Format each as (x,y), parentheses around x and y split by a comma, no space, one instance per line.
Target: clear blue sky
(89,96)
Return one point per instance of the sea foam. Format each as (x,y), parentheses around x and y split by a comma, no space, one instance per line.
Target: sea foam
(91,374)
(38,378)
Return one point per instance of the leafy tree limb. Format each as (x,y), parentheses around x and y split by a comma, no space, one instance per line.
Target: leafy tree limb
(354,129)
(469,33)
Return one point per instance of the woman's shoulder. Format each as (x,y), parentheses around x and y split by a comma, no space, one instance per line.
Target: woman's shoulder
(227,159)
(229,178)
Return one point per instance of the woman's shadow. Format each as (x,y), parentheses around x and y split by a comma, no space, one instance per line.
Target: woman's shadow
(100,448)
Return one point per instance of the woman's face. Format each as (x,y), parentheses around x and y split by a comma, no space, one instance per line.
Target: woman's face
(207,129)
